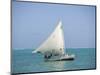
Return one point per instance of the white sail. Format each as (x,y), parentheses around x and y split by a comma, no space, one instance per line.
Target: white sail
(54,43)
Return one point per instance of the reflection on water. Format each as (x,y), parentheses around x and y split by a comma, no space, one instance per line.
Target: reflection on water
(39,63)
(55,65)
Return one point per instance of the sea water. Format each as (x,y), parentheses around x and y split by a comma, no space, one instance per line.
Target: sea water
(23,61)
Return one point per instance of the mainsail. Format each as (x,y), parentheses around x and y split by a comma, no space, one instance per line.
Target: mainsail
(54,43)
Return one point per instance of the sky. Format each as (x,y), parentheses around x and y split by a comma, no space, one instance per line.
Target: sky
(33,22)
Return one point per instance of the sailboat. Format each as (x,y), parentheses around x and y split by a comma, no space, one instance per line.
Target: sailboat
(53,48)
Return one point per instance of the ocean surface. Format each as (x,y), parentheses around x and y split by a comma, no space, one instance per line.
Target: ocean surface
(23,61)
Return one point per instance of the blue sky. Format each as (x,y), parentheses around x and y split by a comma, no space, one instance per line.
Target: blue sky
(32,23)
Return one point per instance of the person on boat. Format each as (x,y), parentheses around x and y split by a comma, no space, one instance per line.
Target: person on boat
(47,55)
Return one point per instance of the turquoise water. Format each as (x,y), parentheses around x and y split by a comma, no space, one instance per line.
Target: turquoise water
(23,61)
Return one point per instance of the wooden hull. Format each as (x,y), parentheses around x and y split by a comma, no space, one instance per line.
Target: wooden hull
(62,58)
